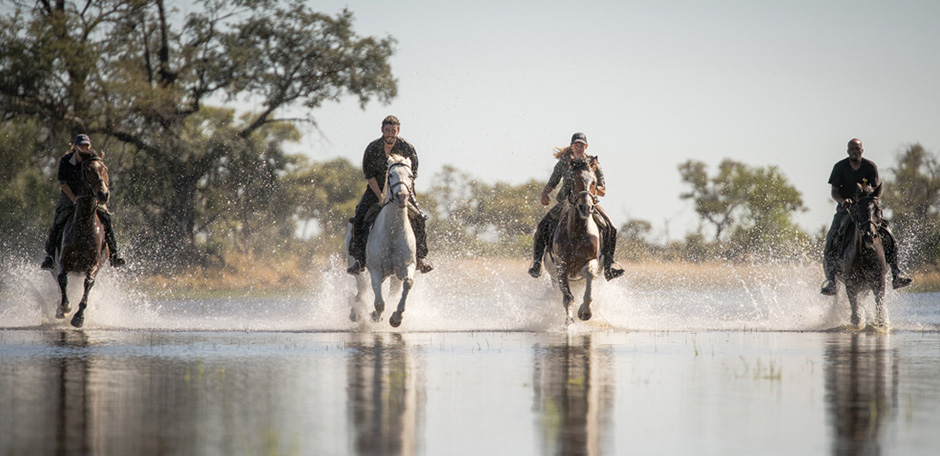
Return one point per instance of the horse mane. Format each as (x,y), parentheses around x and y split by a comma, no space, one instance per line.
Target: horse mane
(586,163)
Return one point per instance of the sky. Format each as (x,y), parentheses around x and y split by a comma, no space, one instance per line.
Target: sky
(491,87)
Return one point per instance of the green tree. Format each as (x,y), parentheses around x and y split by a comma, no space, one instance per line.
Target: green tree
(913,201)
(140,80)
(755,204)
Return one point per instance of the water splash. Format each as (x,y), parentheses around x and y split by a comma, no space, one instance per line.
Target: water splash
(474,295)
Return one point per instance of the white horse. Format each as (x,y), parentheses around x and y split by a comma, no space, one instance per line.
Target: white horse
(390,250)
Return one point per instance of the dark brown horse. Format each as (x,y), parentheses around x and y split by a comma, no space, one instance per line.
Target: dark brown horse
(83,245)
(862,264)
(576,242)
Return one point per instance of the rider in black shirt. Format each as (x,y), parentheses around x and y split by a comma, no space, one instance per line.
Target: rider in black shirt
(845,176)
(374,167)
(70,182)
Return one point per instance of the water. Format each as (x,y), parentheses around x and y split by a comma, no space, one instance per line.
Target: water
(483,364)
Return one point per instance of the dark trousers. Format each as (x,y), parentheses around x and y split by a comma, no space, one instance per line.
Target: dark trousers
(831,250)
(546,228)
(362,222)
(63,213)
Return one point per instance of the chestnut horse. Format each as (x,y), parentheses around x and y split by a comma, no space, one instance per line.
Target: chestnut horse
(862,263)
(576,242)
(83,246)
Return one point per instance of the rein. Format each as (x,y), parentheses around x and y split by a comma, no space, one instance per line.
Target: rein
(855,221)
(388,189)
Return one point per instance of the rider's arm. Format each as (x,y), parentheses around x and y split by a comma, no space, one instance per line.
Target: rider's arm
(836,196)
(68,191)
(374,185)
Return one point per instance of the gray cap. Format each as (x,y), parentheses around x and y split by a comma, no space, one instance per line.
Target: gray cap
(82,139)
(579,137)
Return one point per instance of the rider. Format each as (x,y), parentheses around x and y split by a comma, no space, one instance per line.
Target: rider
(547,226)
(845,175)
(71,182)
(375,167)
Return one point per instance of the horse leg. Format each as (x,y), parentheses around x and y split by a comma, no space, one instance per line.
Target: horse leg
(79,318)
(584,313)
(852,293)
(567,296)
(377,280)
(881,313)
(64,307)
(395,319)
(359,299)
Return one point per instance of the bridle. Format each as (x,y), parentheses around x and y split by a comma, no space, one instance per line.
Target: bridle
(853,210)
(389,188)
(90,186)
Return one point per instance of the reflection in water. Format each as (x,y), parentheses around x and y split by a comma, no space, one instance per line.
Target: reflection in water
(386,395)
(72,397)
(861,387)
(573,388)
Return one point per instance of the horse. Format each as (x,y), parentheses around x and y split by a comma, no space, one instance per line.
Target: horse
(83,247)
(862,264)
(576,242)
(390,249)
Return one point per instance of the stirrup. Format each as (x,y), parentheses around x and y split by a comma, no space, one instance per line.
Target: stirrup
(613,271)
(355,269)
(900,281)
(117,261)
(536,269)
(424,265)
(828,288)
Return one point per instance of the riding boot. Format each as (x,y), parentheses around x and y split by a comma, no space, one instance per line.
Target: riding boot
(421,244)
(899,279)
(612,270)
(357,246)
(63,213)
(115,257)
(542,233)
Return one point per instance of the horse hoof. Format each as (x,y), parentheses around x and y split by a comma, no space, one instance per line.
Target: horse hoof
(585,316)
(354,316)
(376,316)
(78,320)
(395,319)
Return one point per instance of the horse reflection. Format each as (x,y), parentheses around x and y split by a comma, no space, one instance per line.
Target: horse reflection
(861,394)
(387,394)
(574,395)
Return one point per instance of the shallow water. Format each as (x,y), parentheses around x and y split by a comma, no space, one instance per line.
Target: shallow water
(484,365)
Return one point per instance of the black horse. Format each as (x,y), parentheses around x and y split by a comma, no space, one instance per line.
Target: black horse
(861,258)
(83,240)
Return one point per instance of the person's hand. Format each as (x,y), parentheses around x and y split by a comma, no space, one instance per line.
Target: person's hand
(544,198)
(847,202)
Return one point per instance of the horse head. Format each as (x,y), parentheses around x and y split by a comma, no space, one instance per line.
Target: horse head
(398,181)
(583,186)
(95,179)
(866,212)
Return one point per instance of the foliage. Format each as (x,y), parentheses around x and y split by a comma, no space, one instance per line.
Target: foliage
(140,78)
(913,200)
(470,215)
(753,204)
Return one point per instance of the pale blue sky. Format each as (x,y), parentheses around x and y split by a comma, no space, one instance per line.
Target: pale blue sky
(492,86)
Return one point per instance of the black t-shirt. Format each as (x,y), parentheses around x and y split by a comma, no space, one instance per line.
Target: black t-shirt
(844,177)
(70,173)
(375,162)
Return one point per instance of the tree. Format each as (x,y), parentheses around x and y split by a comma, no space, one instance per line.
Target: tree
(913,200)
(754,204)
(140,81)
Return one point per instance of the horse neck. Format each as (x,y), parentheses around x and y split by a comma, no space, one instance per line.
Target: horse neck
(576,223)
(84,218)
(393,220)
